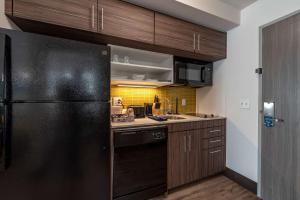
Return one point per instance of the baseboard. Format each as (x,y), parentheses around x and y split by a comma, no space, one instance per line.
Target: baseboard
(241,180)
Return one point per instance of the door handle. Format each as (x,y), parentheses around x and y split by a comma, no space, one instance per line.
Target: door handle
(269,114)
(277,120)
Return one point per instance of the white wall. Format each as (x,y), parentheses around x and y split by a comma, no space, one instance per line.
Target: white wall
(212,13)
(216,7)
(235,79)
(4,21)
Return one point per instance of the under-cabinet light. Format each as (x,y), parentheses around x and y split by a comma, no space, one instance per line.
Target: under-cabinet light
(137,86)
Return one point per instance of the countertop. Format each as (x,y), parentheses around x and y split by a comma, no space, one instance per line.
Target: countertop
(149,122)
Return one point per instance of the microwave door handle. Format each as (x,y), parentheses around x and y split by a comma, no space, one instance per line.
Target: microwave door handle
(202,74)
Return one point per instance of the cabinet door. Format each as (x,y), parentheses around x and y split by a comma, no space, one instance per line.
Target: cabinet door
(174,33)
(216,160)
(211,42)
(80,14)
(194,156)
(177,159)
(8,7)
(125,20)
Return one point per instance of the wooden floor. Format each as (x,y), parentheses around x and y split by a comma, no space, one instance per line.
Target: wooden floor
(217,188)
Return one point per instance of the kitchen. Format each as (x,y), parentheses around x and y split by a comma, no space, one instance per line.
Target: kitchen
(134,99)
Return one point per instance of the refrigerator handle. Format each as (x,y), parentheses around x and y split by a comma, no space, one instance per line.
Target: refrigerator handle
(5,62)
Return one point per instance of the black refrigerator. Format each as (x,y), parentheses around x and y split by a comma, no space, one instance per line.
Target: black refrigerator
(55,118)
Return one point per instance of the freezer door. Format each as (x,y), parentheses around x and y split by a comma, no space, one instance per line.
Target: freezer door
(45,68)
(58,151)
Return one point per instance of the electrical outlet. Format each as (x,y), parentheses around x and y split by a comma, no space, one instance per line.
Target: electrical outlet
(245,104)
(183,102)
(117,101)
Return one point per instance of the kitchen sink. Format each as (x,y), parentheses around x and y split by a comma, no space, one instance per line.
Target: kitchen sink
(172,117)
(165,117)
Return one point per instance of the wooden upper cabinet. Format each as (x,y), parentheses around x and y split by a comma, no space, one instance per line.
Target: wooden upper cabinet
(177,159)
(8,7)
(174,33)
(79,14)
(211,42)
(125,20)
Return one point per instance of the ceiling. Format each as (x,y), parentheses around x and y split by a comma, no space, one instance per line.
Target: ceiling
(221,15)
(240,4)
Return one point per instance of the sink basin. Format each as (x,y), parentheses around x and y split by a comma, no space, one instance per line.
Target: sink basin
(171,117)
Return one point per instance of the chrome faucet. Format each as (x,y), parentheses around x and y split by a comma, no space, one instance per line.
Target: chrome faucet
(168,106)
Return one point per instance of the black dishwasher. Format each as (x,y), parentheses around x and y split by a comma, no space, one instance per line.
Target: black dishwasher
(140,163)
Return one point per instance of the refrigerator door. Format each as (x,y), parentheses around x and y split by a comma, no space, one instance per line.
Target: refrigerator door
(45,68)
(58,151)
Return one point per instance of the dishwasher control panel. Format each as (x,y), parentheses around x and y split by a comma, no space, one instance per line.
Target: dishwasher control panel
(139,136)
(159,135)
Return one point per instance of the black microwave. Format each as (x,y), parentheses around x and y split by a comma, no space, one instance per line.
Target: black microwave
(191,72)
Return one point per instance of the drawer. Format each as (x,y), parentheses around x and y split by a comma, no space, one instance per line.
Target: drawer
(213,142)
(196,125)
(214,132)
(212,123)
(216,160)
(178,127)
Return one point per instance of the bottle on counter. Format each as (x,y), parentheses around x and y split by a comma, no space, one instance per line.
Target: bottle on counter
(130,113)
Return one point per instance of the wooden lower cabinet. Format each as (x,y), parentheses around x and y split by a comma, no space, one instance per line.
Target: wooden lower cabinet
(216,160)
(195,154)
(177,159)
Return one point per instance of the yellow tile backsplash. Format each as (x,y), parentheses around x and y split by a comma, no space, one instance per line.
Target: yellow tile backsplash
(139,96)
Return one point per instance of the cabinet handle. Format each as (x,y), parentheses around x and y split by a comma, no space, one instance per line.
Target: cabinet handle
(93,16)
(214,152)
(184,142)
(194,41)
(215,141)
(190,143)
(102,18)
(215,131)
(199,42)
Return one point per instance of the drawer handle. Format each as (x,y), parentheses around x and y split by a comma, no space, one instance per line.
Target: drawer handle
(184,144)
(215,131)
(129,133)
(213,152)
(215,141)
